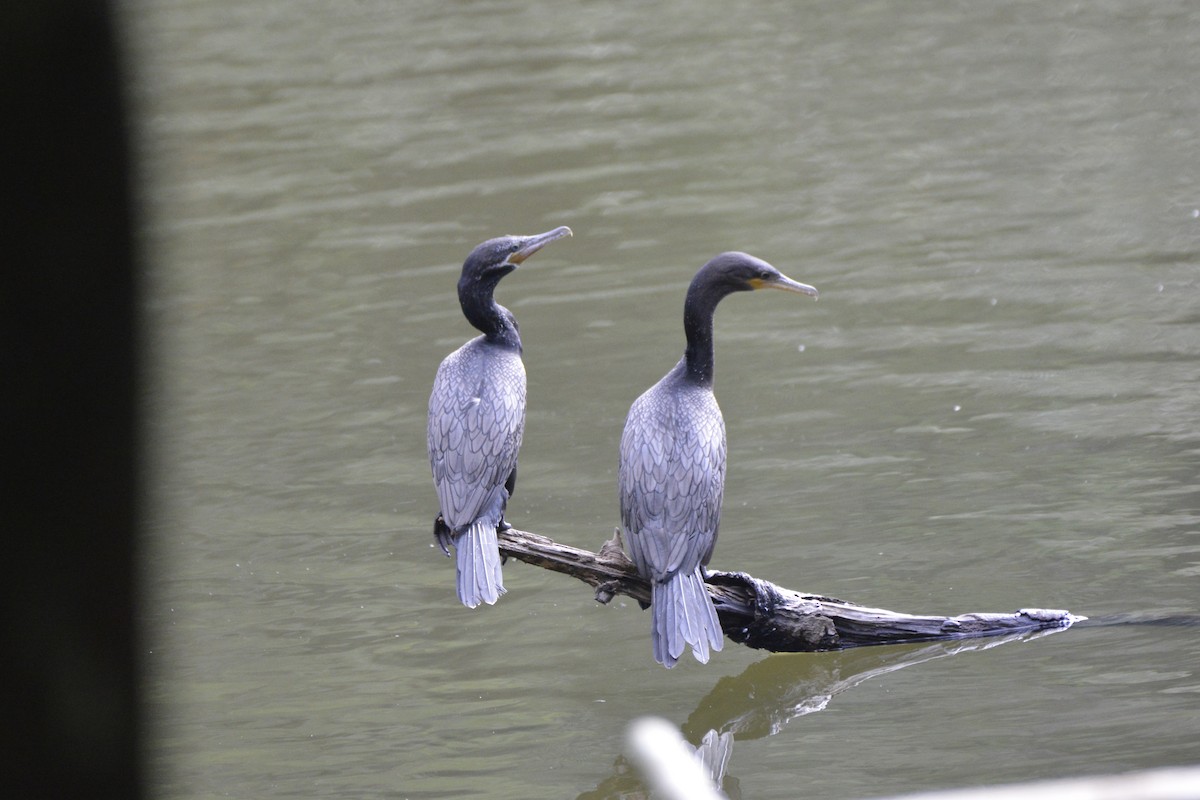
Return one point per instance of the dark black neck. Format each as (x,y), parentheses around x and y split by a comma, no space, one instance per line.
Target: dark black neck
(495,321)
(698,312)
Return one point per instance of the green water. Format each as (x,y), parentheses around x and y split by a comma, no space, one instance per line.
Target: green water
(993,405)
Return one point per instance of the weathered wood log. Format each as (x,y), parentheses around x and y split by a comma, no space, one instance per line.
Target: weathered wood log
(762,615)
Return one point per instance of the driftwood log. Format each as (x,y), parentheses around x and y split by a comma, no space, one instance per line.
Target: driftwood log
(759,614)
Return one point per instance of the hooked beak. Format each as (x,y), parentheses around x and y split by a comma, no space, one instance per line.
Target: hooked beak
(534,243)
(784,283)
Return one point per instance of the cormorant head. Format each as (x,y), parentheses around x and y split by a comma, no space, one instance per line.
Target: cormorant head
(720,277)
(741,272)
(495,258)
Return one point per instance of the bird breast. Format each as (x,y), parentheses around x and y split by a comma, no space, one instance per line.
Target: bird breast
(476,422)
(672,478)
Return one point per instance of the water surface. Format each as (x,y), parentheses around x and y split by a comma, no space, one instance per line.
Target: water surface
(993,405)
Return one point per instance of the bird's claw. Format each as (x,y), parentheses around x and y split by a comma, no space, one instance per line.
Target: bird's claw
(442,534)
(501,527)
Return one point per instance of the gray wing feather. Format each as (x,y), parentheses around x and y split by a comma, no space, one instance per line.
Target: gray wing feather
(476,422)
(672,479)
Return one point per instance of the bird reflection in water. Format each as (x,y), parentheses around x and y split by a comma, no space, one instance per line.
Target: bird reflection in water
(769,693)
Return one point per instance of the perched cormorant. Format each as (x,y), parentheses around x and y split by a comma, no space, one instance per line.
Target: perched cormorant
(476,418)
(672,471)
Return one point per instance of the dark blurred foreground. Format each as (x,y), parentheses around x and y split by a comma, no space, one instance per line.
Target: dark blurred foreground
(67,303)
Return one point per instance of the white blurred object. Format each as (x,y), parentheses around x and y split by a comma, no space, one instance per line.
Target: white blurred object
(674,770)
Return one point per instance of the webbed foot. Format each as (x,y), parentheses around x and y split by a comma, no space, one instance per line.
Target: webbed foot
(501,527)
(442,534)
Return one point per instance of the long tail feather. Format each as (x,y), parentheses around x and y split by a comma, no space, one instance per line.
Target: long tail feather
(478,560)
(683,615)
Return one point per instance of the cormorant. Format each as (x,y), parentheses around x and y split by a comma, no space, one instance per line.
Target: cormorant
(672,469)
(477,417)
